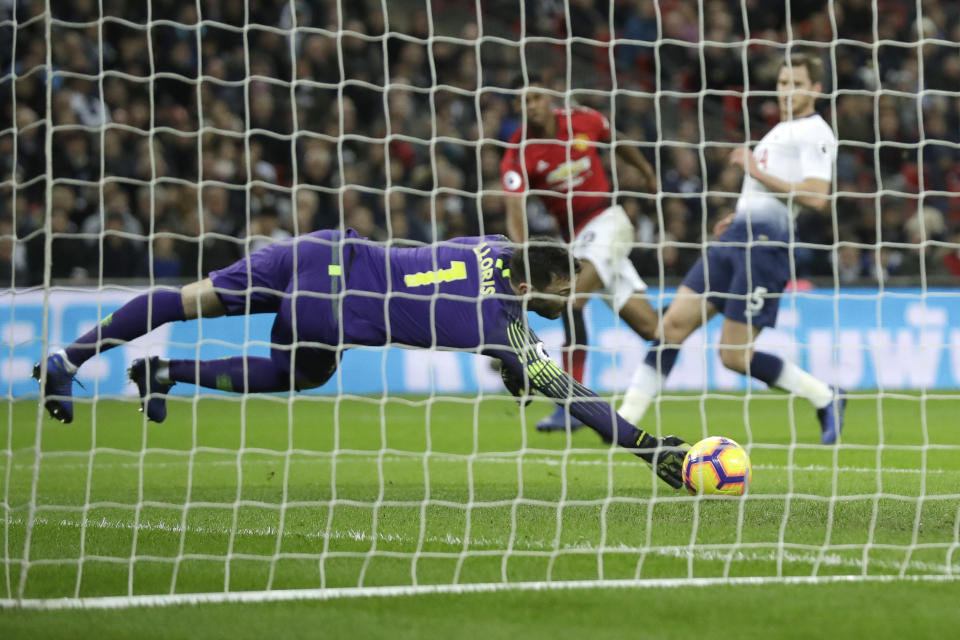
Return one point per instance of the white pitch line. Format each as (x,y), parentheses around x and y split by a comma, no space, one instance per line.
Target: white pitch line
(326,594)
(438,458)
(452,540)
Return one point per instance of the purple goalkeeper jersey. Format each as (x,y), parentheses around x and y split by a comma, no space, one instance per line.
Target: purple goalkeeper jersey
(457,295)
(333,289)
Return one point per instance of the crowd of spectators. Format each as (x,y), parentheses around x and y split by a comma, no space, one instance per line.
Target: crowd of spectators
(180,142)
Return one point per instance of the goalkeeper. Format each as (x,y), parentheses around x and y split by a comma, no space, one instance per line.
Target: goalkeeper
(331,290)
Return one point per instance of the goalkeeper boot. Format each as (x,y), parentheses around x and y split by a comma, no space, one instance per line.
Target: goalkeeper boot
(557,421)
(58,387)
(831,417)
(153,392)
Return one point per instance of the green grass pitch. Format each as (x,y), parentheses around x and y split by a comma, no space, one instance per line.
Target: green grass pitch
(257,493)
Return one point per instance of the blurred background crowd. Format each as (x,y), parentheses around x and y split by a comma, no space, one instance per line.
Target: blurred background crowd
(186,134)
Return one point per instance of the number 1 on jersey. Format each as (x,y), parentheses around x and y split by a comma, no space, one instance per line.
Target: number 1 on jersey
(456,271)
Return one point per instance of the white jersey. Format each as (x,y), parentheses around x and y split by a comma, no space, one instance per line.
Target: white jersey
(793,151)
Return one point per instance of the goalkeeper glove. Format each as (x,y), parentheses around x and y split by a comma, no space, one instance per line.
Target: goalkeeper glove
(516,385)
(665,455)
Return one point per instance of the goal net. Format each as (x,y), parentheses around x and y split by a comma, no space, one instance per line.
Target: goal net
(143,145)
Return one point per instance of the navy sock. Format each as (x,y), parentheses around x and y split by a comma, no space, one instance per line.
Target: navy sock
(134,319)
(240,374)
(766,367)
(667,357)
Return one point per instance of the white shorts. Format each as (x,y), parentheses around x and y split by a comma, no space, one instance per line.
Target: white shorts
(606,242)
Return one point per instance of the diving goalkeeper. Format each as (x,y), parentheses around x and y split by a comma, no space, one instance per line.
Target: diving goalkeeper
(331,290)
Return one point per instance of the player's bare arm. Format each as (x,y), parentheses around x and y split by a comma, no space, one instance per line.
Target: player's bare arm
(809,192)
(723,224)
(516,221)
(632,156)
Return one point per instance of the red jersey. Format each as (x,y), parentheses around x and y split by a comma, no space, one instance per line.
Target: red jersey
(571,164)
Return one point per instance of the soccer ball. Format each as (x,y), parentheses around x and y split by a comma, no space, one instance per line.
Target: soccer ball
(717,465)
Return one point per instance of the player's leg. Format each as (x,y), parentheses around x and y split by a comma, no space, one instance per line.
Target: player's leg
(152,375)
(687,312)
(692,306)
(575,342)
(240,374)
(737,354)
(640,316)
(289,367)
(266,284)
(201,300)
(574,353)
(134,319)
(250,374)
(250,285)
(603,247)
(144,313)
(623,287)
(587,282)
(754,307)
(155,377)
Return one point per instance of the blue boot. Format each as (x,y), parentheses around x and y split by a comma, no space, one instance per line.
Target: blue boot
(58,387)
(153,393)
(831,417)
(557,421)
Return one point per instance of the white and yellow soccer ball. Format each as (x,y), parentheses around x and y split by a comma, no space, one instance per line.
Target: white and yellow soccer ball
(717,466)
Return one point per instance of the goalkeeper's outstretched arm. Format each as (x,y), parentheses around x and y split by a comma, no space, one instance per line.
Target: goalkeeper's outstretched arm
(527,368)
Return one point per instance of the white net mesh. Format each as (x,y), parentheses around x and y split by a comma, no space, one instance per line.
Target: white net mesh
(146,144)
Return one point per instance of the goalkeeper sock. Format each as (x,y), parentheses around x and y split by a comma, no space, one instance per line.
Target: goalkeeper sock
(241,374)
(798,382)
(134,319)
(647,380)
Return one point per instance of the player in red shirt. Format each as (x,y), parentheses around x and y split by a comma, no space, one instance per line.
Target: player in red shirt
(555,156)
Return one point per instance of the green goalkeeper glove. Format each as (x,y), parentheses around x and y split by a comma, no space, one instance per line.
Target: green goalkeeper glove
(665,455)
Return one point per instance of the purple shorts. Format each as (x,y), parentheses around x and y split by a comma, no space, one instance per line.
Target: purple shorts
(259,280)
(298,280)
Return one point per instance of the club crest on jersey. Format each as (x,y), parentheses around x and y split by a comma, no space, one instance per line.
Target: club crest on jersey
(581,142)
(512,181)
(569,173)
(541,352)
